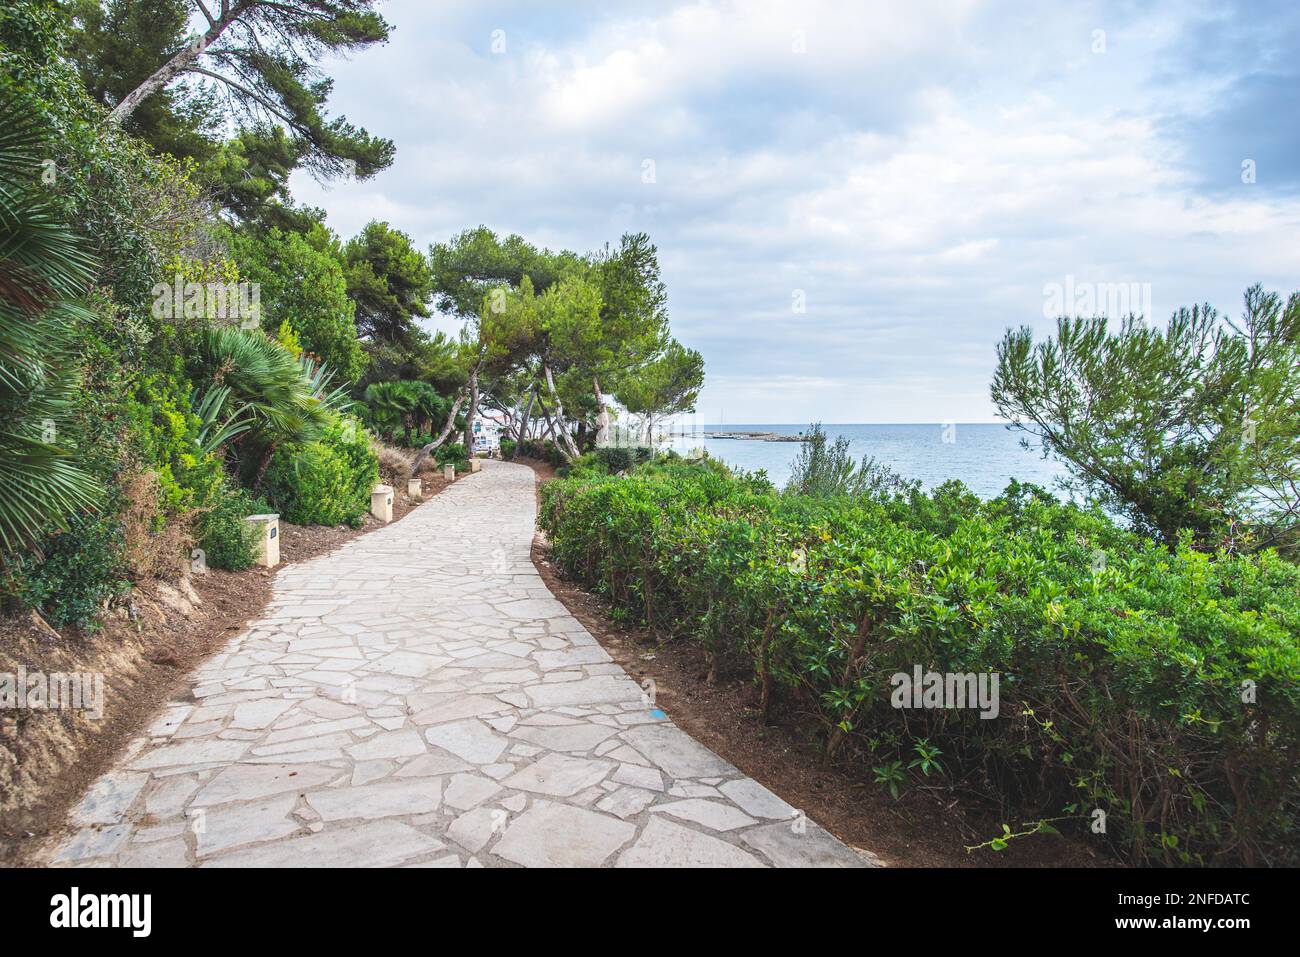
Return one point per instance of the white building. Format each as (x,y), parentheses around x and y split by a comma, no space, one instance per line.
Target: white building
(487,430)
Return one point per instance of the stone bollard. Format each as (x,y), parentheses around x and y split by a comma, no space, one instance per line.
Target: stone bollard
(267,529)
(475,465)
(415,488)
(449,473)
(381,503)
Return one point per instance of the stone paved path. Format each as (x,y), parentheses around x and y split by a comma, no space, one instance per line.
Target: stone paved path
(419,698)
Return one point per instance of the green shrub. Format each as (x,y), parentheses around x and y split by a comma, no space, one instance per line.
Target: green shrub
(824,471)
(622,459)
(544,451)
(585,466)
(74,574)
(1121,664)
(226,539)
(449,452)
(327,482)
(508,448)
(607,461)
(452,454)
(165,441)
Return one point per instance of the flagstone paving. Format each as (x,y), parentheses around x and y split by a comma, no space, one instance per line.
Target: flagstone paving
(419,698)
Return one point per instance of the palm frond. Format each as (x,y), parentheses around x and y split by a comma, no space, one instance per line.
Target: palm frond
(266,380)
(44,269)
(319,376)
(217,424)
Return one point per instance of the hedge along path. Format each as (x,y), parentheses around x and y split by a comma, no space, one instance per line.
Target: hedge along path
(418,697)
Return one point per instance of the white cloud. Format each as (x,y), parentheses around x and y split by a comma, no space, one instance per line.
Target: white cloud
(919,173)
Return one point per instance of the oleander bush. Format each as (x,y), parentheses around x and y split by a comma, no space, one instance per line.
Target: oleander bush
(1159,686)
(585,466)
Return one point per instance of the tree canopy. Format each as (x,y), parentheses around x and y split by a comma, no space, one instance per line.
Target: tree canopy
(1191,428)
(390,282)
(252,65)
(667,385)
(117,45)
(303,284)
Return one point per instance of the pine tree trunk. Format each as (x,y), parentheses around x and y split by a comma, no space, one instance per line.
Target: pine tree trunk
(602,420)
(469,415)
(442,437)
(562,439)
(178,64)
(523,425)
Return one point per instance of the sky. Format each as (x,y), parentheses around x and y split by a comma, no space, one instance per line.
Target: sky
(852,201)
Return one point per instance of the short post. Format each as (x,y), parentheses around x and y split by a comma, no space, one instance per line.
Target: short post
(415,488)
(381,503)
(475,465)
(267,532)
(449,473)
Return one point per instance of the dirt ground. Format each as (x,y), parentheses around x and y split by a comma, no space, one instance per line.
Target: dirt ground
(146,652)
(925,827)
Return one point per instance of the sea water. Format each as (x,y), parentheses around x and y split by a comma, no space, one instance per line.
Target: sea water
(985,457)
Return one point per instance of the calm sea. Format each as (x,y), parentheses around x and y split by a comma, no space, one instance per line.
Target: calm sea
(985,457)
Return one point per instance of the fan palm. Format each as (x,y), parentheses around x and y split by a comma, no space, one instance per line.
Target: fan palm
(320,380)
(281,399)
(400,403)
(218,422)
(44,271)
